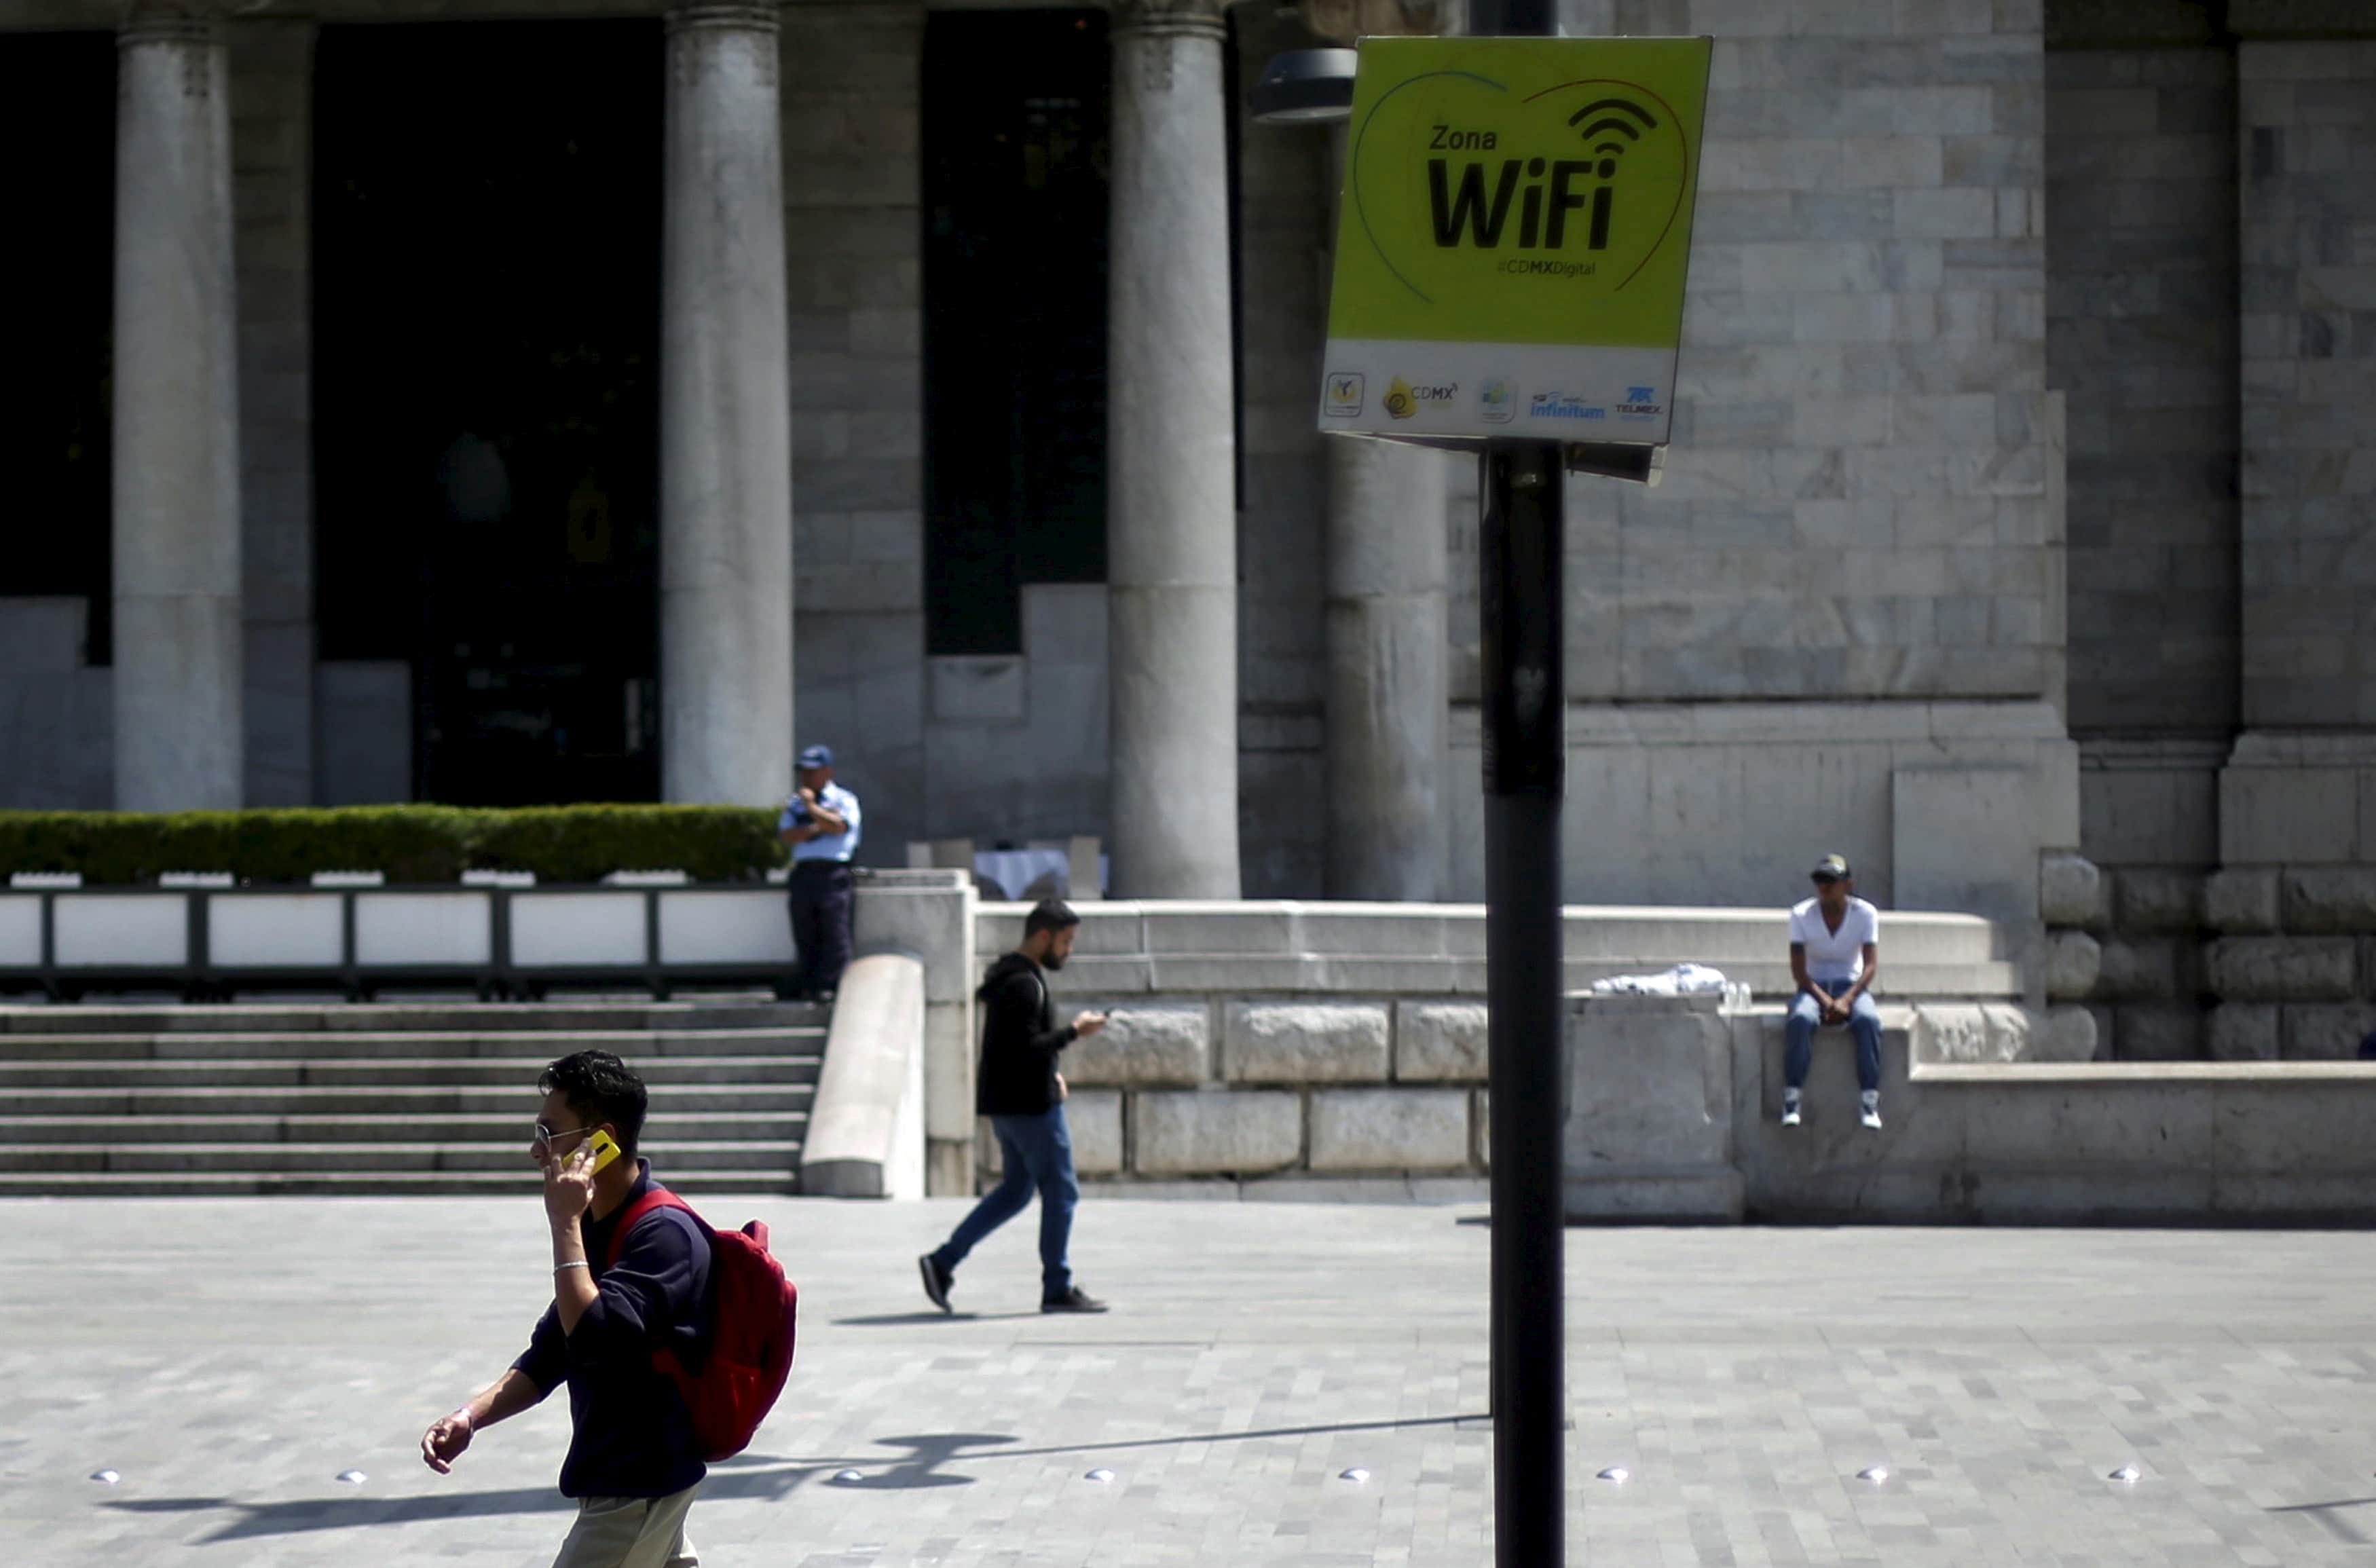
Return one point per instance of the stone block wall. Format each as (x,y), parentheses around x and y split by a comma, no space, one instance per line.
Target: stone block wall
(2308,302)
(1285,212)
(272,196)
(58,712)
(1211,1088)
(2295,965)
(854,272)
(1862,417)
(1860,537)
(2142,338)
(2142,335)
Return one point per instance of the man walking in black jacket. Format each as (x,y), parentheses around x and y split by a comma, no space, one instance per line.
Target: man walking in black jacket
(1021,1092)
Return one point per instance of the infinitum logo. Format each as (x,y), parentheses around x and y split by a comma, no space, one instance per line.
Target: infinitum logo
(1559,406)
(1344,397)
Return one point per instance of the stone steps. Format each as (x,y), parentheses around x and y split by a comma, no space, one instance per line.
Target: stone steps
(508,1157)
(502,1075)
(342,1183)
(430,1098)
(334,1017)
(516,1046)
(492,1129)
(73,1100)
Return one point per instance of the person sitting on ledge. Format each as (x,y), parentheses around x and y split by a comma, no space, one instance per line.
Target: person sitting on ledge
(1834,958)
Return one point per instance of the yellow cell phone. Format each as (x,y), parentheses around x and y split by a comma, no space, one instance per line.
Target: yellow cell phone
(605,1148)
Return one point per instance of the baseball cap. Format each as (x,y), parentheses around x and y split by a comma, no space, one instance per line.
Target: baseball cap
(1832,867)
(817,756)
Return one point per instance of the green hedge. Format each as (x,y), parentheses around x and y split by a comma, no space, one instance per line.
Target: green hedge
(409,843)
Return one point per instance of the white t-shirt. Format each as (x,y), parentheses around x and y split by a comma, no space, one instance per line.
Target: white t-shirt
(1834,954)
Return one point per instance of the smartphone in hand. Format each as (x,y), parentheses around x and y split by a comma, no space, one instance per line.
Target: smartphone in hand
(606,1147)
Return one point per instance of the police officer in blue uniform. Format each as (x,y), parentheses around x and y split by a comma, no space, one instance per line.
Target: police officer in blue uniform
(820,822)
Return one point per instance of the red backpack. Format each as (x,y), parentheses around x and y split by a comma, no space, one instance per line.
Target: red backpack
(751,1346)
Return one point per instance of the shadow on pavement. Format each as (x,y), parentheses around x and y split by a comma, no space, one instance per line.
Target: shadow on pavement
(897,1320)
(751,1477)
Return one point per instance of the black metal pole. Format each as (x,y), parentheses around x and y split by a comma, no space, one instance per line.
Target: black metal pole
(1525,701)
(1521,546)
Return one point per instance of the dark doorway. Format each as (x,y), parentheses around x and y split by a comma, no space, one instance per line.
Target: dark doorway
(487,207)
(1015,116)
(57,268)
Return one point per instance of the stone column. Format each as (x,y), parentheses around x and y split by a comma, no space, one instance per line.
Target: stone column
(1386,642)
(178,662)
(725,466)
(1171,459)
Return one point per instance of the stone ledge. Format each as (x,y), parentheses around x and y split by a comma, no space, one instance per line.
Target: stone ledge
(1299,1043)
(1439,1043)
(2069,1072)
(1144,1042)
(1194,1132)
(1394,1130)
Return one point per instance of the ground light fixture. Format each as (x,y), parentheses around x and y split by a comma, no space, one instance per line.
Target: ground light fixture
(1305,87)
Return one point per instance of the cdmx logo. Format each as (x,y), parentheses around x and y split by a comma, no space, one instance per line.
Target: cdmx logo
(1546,190)
(1403,399)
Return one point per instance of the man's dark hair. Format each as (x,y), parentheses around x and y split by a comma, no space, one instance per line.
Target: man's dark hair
(599,1088)
(1049,914)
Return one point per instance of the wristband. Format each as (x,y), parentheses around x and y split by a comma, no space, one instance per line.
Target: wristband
(573,1262)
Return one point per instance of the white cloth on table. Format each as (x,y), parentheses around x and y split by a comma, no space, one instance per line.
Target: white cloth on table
(1684,980)
(1016,870)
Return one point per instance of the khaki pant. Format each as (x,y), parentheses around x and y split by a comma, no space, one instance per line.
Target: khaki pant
(630,1532)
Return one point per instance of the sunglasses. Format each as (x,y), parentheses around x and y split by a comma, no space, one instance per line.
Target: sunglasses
(541,1141)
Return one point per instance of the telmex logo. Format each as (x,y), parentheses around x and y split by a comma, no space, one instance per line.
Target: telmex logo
(1546,190)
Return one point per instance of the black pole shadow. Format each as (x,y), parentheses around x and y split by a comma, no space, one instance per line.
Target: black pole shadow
(901,1320)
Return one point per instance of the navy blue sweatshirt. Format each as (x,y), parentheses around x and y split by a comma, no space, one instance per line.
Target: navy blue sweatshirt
(632,1435)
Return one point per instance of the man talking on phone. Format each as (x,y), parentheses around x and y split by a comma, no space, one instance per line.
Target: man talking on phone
(633,1463)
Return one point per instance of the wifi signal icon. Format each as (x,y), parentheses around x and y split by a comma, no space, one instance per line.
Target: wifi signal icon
(1612,124)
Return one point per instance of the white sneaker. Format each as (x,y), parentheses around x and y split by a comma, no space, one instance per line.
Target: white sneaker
(1870,1107)
(1789,1110)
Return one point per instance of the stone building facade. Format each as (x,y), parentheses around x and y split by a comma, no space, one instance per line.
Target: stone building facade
(2022,498)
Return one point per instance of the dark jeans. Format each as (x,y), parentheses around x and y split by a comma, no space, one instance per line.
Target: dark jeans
(1037,1152)
(821,910)
(1864,1022)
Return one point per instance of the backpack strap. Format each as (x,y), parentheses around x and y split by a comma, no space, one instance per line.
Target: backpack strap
(654,1198)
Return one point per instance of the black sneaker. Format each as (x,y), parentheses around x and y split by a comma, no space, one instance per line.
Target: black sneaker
(1073,1300)
(937,1281)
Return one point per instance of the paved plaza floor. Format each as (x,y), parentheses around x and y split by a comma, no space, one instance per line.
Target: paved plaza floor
(230,1359)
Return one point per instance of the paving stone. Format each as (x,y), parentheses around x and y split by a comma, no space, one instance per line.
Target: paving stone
(1255,1352)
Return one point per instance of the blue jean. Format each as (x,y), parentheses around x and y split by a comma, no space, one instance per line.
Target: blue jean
(1037,1152)
(1864,1022)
